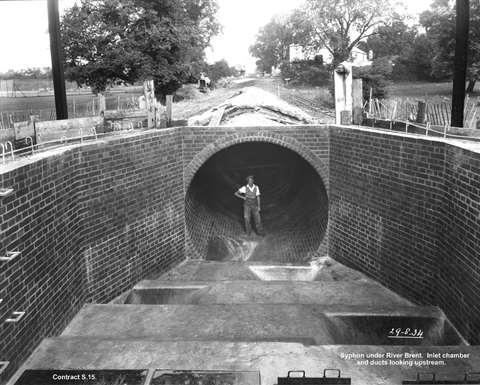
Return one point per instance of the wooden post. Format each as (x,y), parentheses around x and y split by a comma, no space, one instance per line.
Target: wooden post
(74,107)
(421,110)
(472,121)
(343,80)
(357,101)
(56,52)
(460,66)
(149,93)
(169,102)
(102,104)
(370,102)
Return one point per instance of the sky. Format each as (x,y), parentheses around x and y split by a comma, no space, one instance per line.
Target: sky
(24,40)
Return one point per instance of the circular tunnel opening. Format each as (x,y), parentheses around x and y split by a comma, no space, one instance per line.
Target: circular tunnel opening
(294,205)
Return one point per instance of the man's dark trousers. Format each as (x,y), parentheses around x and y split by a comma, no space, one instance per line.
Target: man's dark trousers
(250,209)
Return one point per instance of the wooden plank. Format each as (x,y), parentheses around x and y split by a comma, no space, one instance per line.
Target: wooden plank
(169,109)
(69,128)
(437,115)
(24,129)
(117,115)
(217,117)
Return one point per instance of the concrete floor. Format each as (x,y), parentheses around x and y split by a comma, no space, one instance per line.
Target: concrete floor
(308,324)
(233,321)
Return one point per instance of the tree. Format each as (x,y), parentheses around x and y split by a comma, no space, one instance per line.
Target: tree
(340,25)
(220,69)
(273,41)
(29,73)
(409,51)
(306,72)
(107,42)
(420,59)
(439,23)
(375,77)
(392,40)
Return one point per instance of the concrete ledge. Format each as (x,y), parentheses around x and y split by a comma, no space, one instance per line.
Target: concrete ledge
(294,292)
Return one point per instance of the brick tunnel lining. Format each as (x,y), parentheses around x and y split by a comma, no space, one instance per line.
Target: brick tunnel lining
(294,205)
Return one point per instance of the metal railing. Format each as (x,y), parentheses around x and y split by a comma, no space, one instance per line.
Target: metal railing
(426,129)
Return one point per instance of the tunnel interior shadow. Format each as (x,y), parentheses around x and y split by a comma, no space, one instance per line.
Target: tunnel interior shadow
(294,205)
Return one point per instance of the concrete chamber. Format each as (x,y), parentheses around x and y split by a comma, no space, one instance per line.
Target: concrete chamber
(294,205)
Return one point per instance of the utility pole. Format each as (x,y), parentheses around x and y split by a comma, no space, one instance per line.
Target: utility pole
(56,51)
(460,66)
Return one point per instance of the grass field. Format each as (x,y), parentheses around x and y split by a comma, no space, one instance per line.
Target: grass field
(423,90)
(79,105)
(47,102)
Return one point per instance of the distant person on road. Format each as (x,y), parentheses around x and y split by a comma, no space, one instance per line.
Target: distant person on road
(250,193)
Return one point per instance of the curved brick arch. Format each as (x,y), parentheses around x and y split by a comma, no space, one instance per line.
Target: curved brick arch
(284,141)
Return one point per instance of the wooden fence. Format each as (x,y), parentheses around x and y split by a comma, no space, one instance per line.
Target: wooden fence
(76,109)
(435,112)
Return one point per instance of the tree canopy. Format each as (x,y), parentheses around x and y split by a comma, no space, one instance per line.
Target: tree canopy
(340,25)
(439,23)
(220,69)
(28,73)
(335,25)
(409,51)
(107,42)
(273,41)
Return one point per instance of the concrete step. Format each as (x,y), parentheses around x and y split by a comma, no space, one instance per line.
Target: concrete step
(324,269)
(350,293)
(306,324)
(272,359)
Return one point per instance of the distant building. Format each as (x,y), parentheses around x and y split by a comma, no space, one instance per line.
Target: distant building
(361,58)
(297,52)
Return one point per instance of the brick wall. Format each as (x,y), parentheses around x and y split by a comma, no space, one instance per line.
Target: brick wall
(47,280)
(405,210)
(458,286)
(131,198)
(90,221)
(200,143)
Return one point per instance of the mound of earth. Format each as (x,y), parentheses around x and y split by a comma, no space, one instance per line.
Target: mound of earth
(252,107)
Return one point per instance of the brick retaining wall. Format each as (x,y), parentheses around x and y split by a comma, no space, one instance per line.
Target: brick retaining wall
(90,222)
(458,287)
(406,211)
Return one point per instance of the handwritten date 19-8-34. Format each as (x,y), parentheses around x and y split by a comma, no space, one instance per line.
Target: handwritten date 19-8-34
(405,333)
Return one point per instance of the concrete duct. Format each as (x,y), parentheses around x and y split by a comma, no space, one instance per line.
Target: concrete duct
(294,205)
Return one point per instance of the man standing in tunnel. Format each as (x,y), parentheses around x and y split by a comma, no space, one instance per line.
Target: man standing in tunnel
(251,205)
